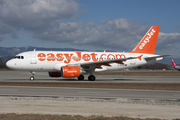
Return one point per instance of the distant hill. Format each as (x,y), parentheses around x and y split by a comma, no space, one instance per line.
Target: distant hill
(12,51)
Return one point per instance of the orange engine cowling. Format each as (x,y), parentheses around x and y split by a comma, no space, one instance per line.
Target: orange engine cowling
(70,71)
(54,74)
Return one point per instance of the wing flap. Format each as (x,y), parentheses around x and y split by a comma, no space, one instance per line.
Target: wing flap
(107,62)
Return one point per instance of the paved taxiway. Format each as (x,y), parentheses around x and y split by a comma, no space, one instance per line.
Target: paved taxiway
(18,76)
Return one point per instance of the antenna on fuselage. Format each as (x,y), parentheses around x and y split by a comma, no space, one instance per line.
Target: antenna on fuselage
(106,49)
(34,49)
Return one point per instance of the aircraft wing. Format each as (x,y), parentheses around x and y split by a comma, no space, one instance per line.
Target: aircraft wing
(106,62)
(98,64)
(119,61)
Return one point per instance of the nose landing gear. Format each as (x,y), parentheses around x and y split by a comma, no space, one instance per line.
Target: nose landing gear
(32,77)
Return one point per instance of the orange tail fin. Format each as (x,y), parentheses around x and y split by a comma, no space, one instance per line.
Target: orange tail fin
(148,42)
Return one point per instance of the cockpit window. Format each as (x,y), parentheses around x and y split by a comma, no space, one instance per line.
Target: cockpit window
(19,57)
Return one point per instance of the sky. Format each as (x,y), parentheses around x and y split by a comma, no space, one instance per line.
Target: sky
(89,24)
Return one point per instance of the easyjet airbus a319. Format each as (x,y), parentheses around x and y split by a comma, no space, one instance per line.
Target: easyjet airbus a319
(75,64)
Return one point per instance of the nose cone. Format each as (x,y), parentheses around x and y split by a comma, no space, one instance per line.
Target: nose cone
(9,64)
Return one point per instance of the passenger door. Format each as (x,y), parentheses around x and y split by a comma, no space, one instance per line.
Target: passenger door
(33,59)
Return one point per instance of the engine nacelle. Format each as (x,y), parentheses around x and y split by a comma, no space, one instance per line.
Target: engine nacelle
(54,74)
(70,71)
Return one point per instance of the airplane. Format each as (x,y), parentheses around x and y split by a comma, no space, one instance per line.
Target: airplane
(175,66)
(75,64)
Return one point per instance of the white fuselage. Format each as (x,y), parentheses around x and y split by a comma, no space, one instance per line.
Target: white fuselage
(54,60)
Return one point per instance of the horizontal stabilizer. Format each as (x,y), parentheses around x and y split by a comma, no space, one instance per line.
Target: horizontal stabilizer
(159,56)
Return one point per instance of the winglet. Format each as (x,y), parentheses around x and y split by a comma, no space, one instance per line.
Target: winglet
(139,57)
(148,42)
(173,63)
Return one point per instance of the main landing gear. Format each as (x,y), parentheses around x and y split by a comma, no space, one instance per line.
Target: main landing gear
(90,77)
(81,77)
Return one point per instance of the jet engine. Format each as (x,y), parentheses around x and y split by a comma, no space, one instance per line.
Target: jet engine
(54,74)
(70,71)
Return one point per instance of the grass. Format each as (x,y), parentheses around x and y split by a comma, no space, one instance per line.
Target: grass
(13,116)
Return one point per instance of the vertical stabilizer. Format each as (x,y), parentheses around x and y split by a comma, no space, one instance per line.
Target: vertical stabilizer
(173,63)
(147,44)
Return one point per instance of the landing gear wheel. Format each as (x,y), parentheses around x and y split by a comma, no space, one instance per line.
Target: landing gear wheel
(32,78)
(81,77)
(91,78)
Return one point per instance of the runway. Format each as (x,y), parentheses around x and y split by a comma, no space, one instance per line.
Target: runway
(161,104)
(88,92)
